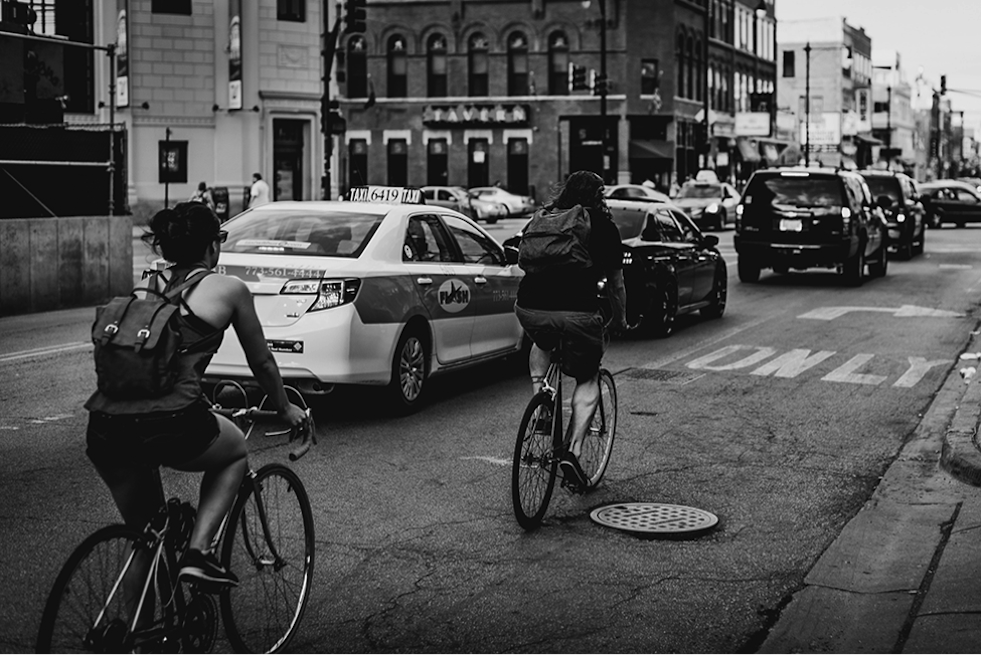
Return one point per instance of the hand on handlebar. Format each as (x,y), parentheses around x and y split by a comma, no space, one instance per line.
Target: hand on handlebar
(293,416)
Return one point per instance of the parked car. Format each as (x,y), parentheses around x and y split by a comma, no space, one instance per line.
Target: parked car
(634,192)
(457,198)
(379,291)
(804,218)
(712,205)
(896,194)
(950,201)
(517,205)
(669,266)
(973,181)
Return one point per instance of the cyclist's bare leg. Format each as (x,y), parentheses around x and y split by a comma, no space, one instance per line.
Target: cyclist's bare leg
(224,464)
(585,399)
(138,495)
(538,361)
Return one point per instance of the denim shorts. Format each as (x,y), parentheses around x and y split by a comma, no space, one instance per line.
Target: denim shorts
(150,440)
(581,334)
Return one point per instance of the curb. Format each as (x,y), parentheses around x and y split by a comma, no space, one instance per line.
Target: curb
(960,455)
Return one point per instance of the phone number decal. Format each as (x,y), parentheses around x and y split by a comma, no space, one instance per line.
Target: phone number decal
(255,273)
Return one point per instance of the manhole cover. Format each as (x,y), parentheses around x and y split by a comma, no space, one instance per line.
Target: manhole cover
(655,518)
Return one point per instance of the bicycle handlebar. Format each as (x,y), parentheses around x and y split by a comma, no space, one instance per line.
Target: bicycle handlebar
(307,431)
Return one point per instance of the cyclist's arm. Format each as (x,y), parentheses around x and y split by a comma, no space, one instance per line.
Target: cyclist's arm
(260,360)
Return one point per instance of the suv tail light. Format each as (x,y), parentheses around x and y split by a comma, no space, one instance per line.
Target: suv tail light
(739,216)
(330,293)
(846,218)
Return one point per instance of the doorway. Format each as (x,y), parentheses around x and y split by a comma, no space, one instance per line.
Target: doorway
(287,159)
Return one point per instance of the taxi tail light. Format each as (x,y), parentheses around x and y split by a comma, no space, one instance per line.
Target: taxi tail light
(330,293)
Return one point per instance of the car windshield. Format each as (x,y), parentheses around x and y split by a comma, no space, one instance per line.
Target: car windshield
(803,191)
(629,221)
(303,233)
(884,186)
(700,191)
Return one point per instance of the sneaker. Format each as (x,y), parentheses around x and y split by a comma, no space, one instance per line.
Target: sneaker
(205,567)
(571,470)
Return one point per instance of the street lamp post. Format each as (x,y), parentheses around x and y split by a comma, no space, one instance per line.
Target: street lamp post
(603,88)
(807,105)
(889,120)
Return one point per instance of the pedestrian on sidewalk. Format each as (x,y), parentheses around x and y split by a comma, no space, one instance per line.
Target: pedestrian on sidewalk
(203,195)
(259,194)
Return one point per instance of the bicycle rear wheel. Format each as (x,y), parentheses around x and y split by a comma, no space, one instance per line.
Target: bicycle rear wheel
(597,445)
(269,545)
(534,466)
(91,605)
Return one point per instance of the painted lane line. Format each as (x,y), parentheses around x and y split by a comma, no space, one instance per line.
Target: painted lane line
(499,461)
(906,311)
(957,267)
(43,352)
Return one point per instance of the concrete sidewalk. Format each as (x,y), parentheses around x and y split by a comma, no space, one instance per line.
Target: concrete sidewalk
(904,576)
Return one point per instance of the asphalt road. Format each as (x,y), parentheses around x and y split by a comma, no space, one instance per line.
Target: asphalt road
(779,418)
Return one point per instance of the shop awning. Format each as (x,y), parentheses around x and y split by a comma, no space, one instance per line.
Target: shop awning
(870,140)
(646,149)
(748,150)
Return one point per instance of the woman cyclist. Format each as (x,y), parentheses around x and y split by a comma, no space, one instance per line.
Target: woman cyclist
(129,439)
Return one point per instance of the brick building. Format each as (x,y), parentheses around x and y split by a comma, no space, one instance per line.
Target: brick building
(476,92)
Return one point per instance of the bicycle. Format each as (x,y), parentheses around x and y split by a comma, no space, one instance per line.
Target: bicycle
(104,598)
(541,438)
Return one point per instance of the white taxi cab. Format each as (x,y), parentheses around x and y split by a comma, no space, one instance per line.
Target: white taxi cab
(377,290)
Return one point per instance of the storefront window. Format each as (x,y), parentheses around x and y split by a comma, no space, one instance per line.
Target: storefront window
(518,65)
(478,65)
(558,64)
(437,166)
(398,162)
(357,158)
(397,83)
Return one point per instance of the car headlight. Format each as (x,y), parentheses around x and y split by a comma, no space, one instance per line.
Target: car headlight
(712,209)
(330,293)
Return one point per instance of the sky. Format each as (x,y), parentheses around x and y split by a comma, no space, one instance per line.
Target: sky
(941,36)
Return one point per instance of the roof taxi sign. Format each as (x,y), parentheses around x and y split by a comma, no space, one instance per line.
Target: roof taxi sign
(392,195)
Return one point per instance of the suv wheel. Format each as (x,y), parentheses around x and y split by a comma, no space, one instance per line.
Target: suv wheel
(854,268)
(878,268)
(748,272)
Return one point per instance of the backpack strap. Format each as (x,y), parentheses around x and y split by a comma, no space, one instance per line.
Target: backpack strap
(188,282)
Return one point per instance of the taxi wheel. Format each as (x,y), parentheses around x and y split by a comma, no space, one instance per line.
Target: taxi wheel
(408,372)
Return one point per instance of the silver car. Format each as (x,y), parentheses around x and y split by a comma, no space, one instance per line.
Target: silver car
(457,199)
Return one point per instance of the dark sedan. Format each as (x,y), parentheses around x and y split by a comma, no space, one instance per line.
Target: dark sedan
(950,201)
(669,266)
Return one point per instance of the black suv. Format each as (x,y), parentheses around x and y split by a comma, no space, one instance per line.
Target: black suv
(896,194)
(809,218)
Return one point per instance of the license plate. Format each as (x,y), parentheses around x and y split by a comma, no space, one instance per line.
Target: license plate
(791,225)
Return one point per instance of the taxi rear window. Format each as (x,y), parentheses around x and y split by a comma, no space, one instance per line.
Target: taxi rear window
(310,234)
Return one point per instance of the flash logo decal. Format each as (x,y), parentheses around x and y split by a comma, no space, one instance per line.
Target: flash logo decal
(454,296)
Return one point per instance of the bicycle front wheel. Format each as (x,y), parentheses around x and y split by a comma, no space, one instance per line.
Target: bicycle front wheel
(534,466)
(598,443)
(269,546)
(91,605)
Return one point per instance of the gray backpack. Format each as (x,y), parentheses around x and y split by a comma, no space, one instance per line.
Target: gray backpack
(557,238)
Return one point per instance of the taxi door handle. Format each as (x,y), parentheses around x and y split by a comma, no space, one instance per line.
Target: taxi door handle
(424,280)
(480,280)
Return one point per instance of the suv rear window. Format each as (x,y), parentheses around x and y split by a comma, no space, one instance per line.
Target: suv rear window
(795,191)
(294,232)
(884,186)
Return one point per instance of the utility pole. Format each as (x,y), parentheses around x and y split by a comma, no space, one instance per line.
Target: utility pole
(889,119)
(603,89)
(807,106)
(326,120)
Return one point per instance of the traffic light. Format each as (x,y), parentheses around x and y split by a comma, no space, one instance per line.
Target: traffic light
(19,13)
(943,85)
(600,84)
(577,78)
(355,15)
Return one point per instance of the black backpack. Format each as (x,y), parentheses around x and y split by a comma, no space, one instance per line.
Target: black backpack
(138,342)
(556,238)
